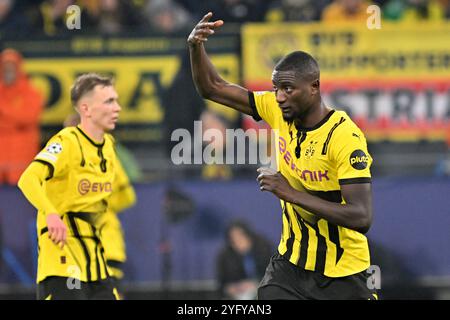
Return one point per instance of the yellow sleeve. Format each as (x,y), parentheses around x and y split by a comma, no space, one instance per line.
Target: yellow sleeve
(31,184)
(123,195)
(265,107)
(57,155)
(351,155)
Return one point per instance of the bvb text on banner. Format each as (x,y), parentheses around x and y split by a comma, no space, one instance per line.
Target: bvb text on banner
(394,82)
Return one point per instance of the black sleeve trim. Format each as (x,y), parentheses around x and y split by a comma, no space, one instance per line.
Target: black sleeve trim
(251,100)
(50,166)
(355,181)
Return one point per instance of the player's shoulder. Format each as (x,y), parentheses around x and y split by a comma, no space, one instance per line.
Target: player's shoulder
(264,96)
(68,138)
(347,126)
(65,135)
(264,93)
(267,107)
(58,145)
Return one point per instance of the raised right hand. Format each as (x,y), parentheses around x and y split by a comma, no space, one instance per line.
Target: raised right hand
(57,230)
(203,29)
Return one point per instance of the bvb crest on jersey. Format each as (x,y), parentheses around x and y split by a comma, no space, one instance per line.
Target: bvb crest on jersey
(310,150)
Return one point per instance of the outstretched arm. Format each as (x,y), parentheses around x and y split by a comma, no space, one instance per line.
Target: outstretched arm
(206,78)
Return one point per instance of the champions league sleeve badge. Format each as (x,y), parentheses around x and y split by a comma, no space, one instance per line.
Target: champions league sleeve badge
(54,148)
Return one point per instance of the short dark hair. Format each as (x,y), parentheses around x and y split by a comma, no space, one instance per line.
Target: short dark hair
(302,63)
(86,83)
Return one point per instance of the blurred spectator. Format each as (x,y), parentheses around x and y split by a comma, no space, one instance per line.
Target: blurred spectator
(104,16)
(296,10)
(112,16)
(242,262)
(167,16)
(446,8)
(238,11)
(50,18)
(346,10)
(20,109)
(195,7)
(183,105)
(380,3)
(12,21)
(414,10)
(213,120)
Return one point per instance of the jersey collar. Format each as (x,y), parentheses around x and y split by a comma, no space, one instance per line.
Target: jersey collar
(98,145)
(318,125)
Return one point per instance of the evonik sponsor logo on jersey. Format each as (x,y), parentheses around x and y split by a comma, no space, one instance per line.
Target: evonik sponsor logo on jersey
(85,186)
(305,174)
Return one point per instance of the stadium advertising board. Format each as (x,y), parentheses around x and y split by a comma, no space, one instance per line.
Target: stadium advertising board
(394,82)
(143,68)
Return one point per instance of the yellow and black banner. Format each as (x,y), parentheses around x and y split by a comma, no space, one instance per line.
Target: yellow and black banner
(143,68)
(394,81)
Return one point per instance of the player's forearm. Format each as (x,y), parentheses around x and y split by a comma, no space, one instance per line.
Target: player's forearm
(211,85)
(206,78)
(349,215)
(31,185)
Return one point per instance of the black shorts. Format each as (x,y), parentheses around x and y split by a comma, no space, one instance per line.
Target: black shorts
(61,288)
(286,281)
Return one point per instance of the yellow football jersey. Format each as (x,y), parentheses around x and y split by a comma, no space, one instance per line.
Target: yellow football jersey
(318,161)
(79,184)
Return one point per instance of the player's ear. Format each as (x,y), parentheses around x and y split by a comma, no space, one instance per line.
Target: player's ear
(83,108)
(315,87)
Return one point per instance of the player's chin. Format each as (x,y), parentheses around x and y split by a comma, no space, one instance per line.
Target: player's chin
(110,126)
(288,117)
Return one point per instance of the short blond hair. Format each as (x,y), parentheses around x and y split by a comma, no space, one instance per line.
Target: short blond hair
(86,83)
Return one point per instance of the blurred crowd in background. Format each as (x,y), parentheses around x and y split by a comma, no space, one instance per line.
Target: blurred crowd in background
(171,16)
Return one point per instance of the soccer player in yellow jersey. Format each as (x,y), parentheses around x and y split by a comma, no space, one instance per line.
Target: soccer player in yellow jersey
(70,182)
(323,179)
(109,226)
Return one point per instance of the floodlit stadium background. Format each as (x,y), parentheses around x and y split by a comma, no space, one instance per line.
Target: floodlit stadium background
(394,81)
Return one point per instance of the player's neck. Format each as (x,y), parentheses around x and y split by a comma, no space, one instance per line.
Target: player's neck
(314,116)
(96,134)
